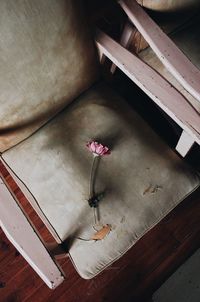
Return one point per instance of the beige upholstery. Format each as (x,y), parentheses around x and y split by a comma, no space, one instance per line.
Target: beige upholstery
(142,179)
(170,5)
(46,60)
(188,40)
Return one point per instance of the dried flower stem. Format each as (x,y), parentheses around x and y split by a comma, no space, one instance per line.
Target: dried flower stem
(93,176)
(92,184)
(98,150)
(95,215)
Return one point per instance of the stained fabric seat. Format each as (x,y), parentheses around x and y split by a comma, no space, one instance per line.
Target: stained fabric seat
(142,178)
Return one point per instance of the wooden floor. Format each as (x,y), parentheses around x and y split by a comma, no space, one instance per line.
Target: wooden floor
(132,278)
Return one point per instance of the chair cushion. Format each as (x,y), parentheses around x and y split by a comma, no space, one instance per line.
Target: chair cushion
(47,59)
(143,179)
(188,40)
(169,5)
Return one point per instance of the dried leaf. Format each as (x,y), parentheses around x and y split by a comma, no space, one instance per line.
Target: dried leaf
(152,189)
(99,235)
(147,190)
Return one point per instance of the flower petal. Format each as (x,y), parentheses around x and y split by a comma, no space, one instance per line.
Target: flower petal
(97,148)
(93,146)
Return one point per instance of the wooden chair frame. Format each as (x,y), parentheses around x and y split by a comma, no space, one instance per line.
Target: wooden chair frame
(22,234)
(14,221)
(171,101)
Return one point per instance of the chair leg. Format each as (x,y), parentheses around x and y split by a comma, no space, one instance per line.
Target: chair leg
(57,251)
(124,41)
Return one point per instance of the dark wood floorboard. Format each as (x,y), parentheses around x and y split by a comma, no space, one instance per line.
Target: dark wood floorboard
(134,277)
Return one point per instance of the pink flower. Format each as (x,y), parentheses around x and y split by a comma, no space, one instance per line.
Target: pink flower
(97,149)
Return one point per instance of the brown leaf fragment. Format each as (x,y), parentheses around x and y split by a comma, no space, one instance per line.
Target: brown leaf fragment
(101,234)
(152,189)
(147,190)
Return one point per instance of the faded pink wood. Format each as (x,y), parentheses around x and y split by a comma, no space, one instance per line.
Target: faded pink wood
(185,143)
(171,56)
(155,86)
(102,57)
(124,40)
(24,237)
(33,203)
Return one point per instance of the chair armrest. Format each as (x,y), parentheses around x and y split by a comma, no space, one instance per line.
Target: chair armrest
(24,237)
(156,87)
(170,55)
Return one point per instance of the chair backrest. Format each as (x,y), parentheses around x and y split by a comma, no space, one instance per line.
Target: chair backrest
(169,5)
(47,59)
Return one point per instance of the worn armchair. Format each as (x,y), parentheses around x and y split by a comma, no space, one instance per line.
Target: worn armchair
(53,101)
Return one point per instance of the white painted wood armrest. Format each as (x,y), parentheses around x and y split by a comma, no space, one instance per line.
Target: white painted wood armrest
(23,236)
(32,201)
(185,143)
(171,56)
(155,86)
